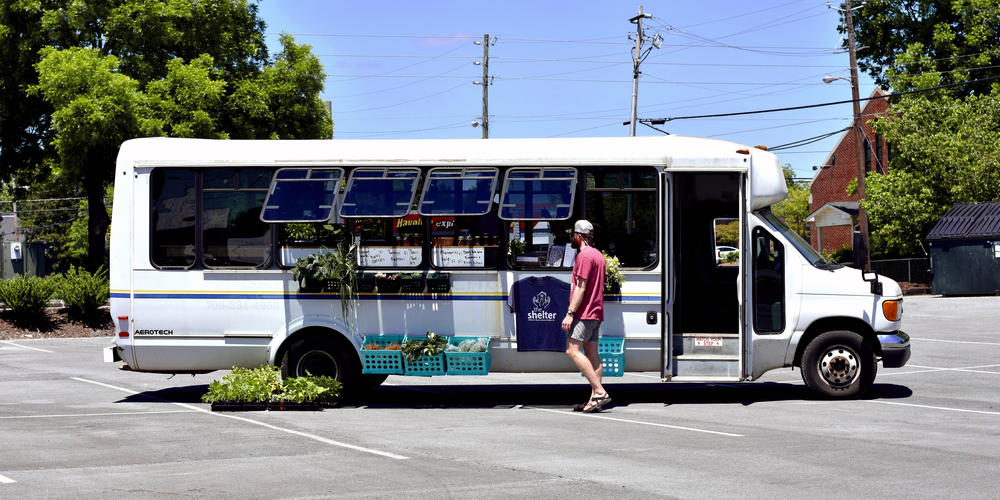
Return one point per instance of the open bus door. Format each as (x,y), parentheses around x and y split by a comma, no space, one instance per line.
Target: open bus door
(667,281)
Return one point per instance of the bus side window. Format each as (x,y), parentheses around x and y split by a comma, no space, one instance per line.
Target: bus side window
(172,221)
(537,204)
(622,206)
(233,236)
(768,283)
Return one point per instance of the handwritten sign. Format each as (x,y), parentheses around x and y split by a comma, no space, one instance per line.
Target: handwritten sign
(459,256)
(389,256)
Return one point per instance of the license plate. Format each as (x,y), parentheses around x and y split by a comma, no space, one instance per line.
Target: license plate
(708,341)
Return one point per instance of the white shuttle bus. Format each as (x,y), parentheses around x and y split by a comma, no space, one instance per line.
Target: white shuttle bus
(205,233)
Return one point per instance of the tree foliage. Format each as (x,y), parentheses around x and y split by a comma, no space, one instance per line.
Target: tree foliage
(907,44)
(946,150)
(78,77)
(794,209)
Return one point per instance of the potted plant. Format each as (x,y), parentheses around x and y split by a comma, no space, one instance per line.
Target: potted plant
(332,272)
(613,277)
(388,282)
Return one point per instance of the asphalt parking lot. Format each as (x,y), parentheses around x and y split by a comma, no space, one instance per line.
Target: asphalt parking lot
(72,426)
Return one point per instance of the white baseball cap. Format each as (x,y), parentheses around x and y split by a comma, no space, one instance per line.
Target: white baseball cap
(583,226)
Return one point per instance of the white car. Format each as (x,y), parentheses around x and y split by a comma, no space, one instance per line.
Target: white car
(722,251)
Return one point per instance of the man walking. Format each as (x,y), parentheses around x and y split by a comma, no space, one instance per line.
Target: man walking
(586,312)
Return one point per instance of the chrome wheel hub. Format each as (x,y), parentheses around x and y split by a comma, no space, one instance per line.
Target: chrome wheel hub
(839,366)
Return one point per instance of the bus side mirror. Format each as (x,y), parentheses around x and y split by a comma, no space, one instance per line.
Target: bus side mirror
(872,277)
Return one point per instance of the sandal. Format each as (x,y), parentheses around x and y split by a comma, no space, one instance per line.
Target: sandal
(596,403)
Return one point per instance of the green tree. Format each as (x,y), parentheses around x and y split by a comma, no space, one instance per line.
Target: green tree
(906,43)
(794,209)
(124,68)
(946,150)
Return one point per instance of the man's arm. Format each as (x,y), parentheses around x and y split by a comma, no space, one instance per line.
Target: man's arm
(575,301)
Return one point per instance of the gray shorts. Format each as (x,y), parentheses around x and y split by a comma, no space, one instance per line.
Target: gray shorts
(585,330)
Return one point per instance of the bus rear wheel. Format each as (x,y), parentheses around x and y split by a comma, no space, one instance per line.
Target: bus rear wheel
(839,365)
(318,357)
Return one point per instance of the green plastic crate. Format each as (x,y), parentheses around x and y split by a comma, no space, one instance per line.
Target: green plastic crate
(380,361)
(426,365)
(467,363)
(612,353)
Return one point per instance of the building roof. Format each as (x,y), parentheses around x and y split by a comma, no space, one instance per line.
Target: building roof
(848,207)
(968,221)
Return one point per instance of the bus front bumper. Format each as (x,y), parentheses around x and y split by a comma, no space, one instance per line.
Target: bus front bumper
(895,349)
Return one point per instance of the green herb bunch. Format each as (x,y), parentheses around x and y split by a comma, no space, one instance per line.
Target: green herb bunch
(612,273)
(434,344)
(264,384)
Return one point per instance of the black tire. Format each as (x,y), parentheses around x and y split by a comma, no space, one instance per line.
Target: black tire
(318,356)
(839,365)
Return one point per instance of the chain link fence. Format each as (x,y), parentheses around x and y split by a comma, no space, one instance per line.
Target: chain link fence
(911,270)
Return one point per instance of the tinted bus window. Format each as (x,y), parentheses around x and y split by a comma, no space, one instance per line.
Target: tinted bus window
(233,236)
(172,217)
(538,194)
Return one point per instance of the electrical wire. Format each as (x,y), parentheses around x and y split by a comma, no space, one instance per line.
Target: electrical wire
(808,140)
(405,102)
(808,106)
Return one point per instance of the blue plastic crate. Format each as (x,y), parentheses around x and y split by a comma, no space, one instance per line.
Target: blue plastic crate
(612,353)
(426,365)
(467,363)
(382,361)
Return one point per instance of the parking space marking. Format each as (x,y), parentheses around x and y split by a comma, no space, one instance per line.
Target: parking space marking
(6,480)
(945,408)
(306,435)
(639,422)
(956,341)
(968,369)
(23,346)
(65,415)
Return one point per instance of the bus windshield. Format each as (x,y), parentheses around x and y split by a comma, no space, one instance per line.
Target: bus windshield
(807,251)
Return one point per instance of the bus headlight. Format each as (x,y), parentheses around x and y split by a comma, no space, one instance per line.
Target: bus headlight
(892,309)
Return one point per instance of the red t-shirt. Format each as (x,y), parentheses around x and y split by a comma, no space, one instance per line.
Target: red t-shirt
(589,265)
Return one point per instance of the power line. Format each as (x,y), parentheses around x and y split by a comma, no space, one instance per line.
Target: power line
(806,141)
(807,106)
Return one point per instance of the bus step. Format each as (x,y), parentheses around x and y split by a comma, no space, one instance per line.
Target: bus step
(707,343)
(708,365)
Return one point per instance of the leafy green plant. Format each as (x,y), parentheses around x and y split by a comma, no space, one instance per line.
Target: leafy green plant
(434,344)
(731,257)
(263,385)
(310,389)
(613,277)
(515,248)
(245,385)
(341,266)
(27,298)
(83,293)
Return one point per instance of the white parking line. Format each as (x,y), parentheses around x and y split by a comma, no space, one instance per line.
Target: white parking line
(945,408)
(95,414)
(6,480)
(967,369)
(307,435)
(628,421)
(956,341)
(23,346)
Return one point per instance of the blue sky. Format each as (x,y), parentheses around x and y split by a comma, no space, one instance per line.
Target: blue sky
(404,69)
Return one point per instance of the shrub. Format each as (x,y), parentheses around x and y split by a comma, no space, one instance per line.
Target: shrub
(263,385)
(246,385)
(27,298)
(83,293)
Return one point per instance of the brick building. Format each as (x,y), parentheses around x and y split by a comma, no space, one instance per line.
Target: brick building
(833,214)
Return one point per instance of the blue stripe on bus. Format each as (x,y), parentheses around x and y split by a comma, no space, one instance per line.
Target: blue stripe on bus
(320,296)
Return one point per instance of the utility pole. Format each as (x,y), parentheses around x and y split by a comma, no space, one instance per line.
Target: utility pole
(486,85)
(636,59)
(862,216)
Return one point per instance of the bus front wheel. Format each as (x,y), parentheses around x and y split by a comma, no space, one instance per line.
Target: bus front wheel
(318,357)
(839,365)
